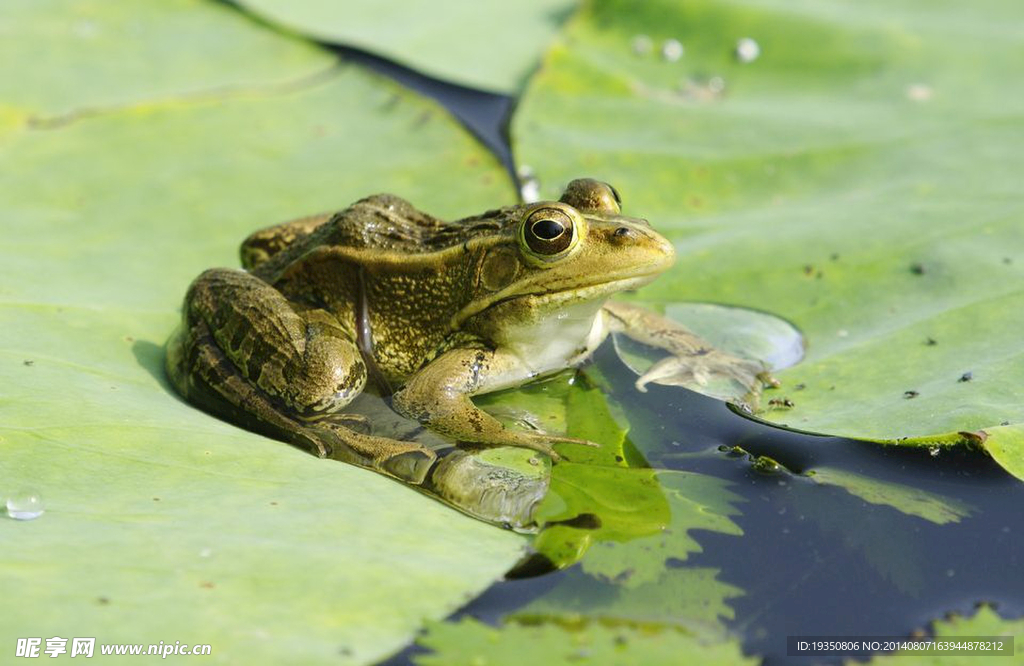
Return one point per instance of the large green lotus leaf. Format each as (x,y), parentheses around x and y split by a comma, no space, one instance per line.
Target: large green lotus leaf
(859,179)
(487,44)
(162,523)
(65,58)
(472,642)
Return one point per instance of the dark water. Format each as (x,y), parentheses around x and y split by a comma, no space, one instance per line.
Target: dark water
(821,564)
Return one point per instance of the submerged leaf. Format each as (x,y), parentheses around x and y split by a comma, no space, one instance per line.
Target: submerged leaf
(909,500)
(472,642)
(959,629)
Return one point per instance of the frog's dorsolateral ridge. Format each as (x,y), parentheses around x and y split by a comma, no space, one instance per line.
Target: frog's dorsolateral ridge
(426,311)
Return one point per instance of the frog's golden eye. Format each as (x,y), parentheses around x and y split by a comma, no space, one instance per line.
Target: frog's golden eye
(549,232)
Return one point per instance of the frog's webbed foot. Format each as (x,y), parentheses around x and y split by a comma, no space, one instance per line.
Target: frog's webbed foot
(702,366)
(408,461)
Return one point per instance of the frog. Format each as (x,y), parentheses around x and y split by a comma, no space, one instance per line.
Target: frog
(427,313)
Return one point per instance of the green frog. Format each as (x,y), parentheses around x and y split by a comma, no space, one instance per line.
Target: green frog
(428,313)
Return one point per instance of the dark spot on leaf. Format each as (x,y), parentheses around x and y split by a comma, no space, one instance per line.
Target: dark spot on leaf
(156,499)
(931,342)
(808,269)
(800,387)
(834,256)
(619,458)
(966,377)
(102,601)
(917,268)
(27,362)
(910,394)
(1007,260)
(206,585)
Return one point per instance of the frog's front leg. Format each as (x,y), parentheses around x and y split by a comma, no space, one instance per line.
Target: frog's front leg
(439,397)
(691,358)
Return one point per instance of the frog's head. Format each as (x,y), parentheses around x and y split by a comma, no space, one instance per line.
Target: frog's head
(577,249)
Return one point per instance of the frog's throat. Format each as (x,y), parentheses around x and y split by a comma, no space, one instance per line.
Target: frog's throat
(596,292)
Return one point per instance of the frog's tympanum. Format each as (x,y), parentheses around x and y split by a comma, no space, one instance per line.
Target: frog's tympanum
(384,297)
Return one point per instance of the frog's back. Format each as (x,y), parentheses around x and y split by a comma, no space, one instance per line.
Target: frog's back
(389,223)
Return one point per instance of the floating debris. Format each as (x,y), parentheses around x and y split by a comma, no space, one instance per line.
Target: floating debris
(747,50)
(672,50)
(529,185)
(766,465)
(910,394)
(642,45)
(919,92)
(934,451)
(784,403)
(24,506)
(966,377)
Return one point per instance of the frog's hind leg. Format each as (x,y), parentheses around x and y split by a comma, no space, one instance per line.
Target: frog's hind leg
(245,355)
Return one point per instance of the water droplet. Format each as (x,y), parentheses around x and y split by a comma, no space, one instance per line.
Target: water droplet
(529,186)
(672,50)
(24,506)
(934,451)
(85,29)
(747,50)
(642,45)
(919,92)
(716,84)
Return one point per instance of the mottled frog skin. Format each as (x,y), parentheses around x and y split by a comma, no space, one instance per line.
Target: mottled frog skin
(427,312)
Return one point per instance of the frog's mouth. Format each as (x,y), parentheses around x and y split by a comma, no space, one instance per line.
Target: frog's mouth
(553,295)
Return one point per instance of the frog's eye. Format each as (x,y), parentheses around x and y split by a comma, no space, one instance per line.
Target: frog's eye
(549,233)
